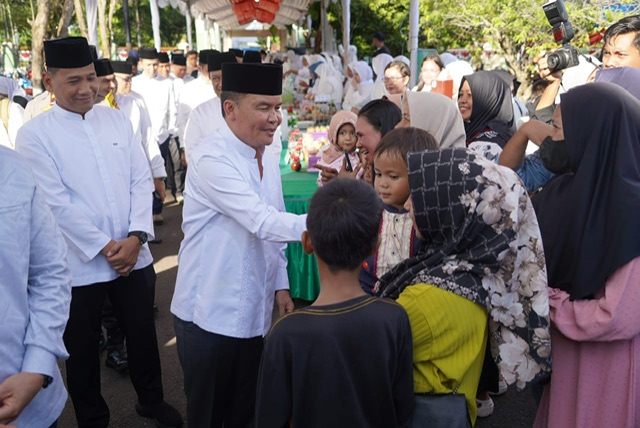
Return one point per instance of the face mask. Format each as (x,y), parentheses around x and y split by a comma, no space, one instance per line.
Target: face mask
(554,155)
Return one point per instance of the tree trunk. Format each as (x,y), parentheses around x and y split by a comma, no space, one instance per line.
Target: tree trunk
(136,6)
(81,18)
(65,19)
(38,30)
(112,11)
(102,23)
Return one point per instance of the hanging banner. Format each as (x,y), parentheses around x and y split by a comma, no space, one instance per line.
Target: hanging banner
(155,24)
(92,21)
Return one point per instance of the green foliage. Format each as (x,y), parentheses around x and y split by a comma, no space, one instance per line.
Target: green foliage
(173,25)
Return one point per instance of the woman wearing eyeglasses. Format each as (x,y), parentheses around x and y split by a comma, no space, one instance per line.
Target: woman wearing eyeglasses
(396,77)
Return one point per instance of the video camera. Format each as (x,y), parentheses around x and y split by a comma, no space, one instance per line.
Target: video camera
(567,56)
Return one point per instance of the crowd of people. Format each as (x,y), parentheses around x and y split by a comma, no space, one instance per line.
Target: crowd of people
(465,244)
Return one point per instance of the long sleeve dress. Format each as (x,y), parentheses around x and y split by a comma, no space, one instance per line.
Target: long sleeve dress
(596,357)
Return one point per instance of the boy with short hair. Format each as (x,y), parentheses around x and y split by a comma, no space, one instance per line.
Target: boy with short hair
(346,360)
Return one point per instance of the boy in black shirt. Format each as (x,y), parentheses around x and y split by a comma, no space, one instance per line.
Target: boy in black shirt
(346,360)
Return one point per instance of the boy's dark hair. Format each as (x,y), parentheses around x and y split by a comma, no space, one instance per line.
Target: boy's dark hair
(628,24)
(402,141)
(383,115)
(189,53)
(343,223)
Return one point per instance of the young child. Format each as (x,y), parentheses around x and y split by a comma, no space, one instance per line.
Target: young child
(398,239)
(342,136)
(318,369)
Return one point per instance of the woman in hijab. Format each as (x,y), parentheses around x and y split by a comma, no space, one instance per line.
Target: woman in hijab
(362,86)
(482,256)
(589,224)
(379,64)
(485,104)
(437,115)
(327,83)
(625,77)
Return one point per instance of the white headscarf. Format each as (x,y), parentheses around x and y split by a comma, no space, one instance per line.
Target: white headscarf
(328,82)
(404,59)
(364,91)
(457,70)
(439,116)
(379,63)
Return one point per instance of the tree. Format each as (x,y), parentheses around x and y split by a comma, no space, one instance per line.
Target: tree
(39,28)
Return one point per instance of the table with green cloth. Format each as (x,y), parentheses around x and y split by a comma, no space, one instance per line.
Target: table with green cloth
(298,188)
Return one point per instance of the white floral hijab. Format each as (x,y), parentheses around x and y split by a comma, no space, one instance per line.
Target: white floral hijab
(482,242)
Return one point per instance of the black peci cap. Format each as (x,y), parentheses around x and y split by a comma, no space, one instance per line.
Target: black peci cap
(70,52)
(260,79)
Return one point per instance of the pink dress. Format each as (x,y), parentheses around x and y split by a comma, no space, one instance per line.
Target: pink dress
(596,357)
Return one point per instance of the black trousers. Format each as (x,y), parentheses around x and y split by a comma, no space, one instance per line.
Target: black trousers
(220,376)
(132,300)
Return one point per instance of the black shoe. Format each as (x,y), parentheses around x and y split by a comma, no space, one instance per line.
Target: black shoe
(117,358)
(163,414)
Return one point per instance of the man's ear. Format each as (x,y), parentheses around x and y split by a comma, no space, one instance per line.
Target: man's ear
(230,108)
(47,80)
(307,246)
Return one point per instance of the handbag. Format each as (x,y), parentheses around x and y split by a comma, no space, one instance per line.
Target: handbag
(440,411)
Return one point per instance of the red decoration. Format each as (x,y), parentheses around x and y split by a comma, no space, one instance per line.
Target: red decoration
(245,11)
(265,16)
(296,166)
(269,6)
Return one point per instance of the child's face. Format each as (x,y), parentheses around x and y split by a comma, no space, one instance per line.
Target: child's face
(347,137)
(392,180)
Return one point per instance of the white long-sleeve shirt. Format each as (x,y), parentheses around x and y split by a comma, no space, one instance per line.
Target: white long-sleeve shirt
(191,96)
(8,135)
(96,180)
(160,101)
(35,289)
(231,260)
(132,105)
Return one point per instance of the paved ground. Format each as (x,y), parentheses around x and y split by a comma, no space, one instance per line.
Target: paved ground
(513,410)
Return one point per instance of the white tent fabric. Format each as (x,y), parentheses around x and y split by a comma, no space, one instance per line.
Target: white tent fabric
(221,12)
(92,21)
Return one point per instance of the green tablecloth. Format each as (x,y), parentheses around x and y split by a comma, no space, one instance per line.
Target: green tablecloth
(298,187)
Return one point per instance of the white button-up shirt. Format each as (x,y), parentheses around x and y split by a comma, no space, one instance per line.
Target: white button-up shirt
(191,96)
(35,289)
(132,105)
(231,260)
(96,180)
(160,102)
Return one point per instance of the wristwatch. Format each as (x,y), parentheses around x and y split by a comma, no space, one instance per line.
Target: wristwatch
(142,236)
(47,381)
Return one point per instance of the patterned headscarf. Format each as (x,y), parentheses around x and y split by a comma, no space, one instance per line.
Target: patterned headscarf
(483,244)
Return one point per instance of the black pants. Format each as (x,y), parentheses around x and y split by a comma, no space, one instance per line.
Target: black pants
(220,376)
(178,170)
(132,300)
(168,165)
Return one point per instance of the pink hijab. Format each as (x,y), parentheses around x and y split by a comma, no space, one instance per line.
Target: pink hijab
(340,118)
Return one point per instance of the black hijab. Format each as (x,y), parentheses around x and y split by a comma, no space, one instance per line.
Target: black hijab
(492,108)
(589,219)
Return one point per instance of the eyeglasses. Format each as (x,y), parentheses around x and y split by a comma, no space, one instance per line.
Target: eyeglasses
(124,79)
(392,79)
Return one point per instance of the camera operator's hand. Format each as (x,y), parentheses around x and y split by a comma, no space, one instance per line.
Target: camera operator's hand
(545,72)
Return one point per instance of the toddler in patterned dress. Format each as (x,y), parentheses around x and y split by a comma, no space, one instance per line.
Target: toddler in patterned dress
(398,239)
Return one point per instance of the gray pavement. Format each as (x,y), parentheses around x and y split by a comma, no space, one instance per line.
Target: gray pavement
(512,410)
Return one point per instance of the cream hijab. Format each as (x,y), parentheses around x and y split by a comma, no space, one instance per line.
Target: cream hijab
(437,115)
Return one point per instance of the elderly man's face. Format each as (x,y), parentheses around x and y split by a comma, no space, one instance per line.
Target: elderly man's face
(75,89)
(255,118)
(620,51)
(179,70)
(216,80)
(124,83)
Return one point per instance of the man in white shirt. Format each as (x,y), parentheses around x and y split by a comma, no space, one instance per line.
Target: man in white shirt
(207,117)
(231,261)
(96,181)
(158,96)
(35,293)
(179,68)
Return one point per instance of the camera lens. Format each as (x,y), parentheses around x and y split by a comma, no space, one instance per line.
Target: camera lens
(554,62)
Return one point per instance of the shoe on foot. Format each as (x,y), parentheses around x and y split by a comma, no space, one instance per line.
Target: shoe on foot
(117,358)
(485,407)
(163,414)
(179,198)
(158,220)
(502,387)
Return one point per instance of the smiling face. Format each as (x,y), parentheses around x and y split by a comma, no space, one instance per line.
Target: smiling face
(465,101)
(620,51)
(254,118)
(347,137)
(124,83)
(106,84)
(394,82)
(392,179)
(164,69)
(149,67)
(368,138)
(429,72)
(179,70)
(216,81)
(75,89)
